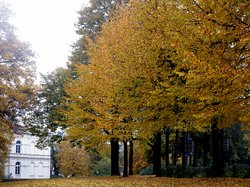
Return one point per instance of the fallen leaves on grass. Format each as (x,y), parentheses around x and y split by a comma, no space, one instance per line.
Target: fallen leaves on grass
(134,181)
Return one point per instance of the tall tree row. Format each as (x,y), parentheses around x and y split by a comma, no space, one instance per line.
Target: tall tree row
(16,81)
(182,65)
(149,68)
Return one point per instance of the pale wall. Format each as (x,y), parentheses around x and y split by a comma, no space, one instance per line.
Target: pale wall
(35,163)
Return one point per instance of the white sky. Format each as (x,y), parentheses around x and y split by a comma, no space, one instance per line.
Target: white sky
(48,25)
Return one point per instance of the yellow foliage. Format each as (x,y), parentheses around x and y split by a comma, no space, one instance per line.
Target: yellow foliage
(72,160)
(164,63)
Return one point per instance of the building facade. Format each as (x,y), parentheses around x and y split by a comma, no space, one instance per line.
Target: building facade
(26,161)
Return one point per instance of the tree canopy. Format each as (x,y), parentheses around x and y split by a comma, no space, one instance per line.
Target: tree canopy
(160,63)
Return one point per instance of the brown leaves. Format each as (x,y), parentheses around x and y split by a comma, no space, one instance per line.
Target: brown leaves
(147,181)
(72,160)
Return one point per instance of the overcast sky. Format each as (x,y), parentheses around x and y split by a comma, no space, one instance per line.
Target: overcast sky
(48,25)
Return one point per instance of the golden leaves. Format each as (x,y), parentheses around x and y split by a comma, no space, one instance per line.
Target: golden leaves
(72,160)
(174,63)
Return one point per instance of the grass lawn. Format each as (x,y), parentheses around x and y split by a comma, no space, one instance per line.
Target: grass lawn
(134,181)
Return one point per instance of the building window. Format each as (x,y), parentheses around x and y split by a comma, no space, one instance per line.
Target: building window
(32,169)
(18,146)
(40,169)
(18,168)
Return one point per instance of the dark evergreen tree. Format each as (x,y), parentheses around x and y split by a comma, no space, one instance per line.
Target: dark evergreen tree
(89,25)
(45,117)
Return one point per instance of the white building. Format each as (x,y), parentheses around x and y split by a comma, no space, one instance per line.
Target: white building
(25,161)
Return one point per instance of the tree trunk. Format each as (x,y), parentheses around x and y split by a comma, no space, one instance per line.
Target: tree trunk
(167,133)
(157,155)
(222,153)
(114,156)
(184,157)
(190,160)
(195,154)
(174,151)
(131,157)
(205,150)
(125,163)
(217,149)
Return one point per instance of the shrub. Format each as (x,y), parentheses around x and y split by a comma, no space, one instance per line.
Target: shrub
(103,167)
(242,171)
(238,171)
(72,161)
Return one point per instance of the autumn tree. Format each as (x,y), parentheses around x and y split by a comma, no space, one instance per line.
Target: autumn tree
(89,24)
(16,81)
(72,160)
(217,53)
(81,117)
